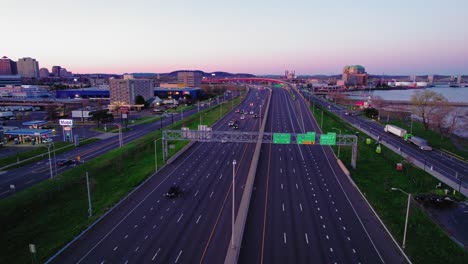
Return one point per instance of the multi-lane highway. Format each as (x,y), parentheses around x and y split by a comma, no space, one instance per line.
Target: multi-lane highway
(28,175)
(304,209)
(452,168)
(148,227)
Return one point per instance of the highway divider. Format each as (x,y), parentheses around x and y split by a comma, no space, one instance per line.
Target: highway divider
(233,252)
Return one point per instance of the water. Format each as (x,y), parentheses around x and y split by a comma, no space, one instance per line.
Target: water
(452,94)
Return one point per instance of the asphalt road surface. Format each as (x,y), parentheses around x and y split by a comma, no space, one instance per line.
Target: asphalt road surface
(304,209)
(194,228)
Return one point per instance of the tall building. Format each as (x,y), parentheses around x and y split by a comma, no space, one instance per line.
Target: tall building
(64,73)
(124,91)
(7,66)
(28,68)
(430,79)
(56,71)
(43,73)
(355,75)
(459,79)
(190,78)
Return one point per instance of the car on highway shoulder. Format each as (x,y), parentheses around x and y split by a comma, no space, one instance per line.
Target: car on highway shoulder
(65,162)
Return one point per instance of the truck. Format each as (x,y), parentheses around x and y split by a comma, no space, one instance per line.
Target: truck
(400,132)
(6,115)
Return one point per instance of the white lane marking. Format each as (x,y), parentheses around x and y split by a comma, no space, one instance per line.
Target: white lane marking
(180,217)
(333,202)
(158,201)
(154,226)
(339,218)
(151,209)
(280,158)
(103,262)
(284,237)
(126,261)
(196,193)
(349,239)
(297,187)
(211,194)
(125,236)
(144,217)
(283,206)
(300,206)
(327,237)
(4,192)
(318,208)
(306,238)
(331,249)
(221,176)
(281,186)
(178,256)
(294,170)
(321,217)
(217,162)
(336,210)
(162,216)
(198,219)
(291,158)
(136,249)
(167,210)
(116,247)
(157,252)
(323,226)
(354,251)
(316,201)
(146,237)
(281,170)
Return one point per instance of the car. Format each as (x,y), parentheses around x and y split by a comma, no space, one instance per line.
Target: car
(65,162)
(235,126)
(224,140)
(237,111)
(251,112)
(242,117)
(174,192)
(232,122)
(255,115)
(347,113)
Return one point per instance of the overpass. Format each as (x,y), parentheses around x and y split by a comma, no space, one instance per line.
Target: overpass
(249,80)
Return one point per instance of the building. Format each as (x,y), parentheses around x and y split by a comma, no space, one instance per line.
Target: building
(7,66)
(64,73)
(290,74)
(44,73)
(101,92)
(56,71)
(23,91)
(10,80)
(124,91)
(177,93)
(28,68)
(355,75)
(430,79)
(190,78)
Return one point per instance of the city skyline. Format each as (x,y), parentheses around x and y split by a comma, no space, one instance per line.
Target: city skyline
(264,37)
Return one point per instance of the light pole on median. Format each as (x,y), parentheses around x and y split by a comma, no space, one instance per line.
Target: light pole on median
(407,214)
(156,154)
(233,199)
(90,208)
(50,162)
(339,146)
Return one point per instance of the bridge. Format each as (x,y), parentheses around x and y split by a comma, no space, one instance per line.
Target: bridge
(249,80)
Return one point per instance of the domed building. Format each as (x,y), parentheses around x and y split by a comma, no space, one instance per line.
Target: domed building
(354,75)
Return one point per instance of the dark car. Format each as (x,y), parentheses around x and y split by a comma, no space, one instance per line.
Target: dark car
(65,162)
(174,192)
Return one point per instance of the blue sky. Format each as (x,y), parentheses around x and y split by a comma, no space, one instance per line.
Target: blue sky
(257,36)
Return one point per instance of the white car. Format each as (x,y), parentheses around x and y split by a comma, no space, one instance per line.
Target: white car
(242,117)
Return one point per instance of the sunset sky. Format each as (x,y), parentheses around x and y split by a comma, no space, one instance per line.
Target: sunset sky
(254,36)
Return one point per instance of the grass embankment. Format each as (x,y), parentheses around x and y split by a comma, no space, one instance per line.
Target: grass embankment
(376,175)
(435,139)
(53,212)
(41,152)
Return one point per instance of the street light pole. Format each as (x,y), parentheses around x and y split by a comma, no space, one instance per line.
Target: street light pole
(50,162)
(90,208)
(321,121)
(156,155)
(233,199)
(339,146)
(407,215)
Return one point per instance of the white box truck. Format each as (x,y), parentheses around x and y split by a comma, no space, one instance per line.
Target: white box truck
(395,130)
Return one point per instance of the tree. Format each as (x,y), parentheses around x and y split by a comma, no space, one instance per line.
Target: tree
(140,100)
(371,112)
(102,116)
(426,103)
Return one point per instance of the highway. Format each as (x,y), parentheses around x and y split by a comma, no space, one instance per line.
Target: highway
(304,209)
(31,174)
(148,227)
(454,169)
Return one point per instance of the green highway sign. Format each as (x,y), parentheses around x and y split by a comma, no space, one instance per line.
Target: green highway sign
(281,138)
(328,139)
(307,139)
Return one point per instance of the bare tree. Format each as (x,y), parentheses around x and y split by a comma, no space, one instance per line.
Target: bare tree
(426,103)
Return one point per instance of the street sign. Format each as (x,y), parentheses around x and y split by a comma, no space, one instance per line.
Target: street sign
(306,139)
(66,122)
(281,138)
(328,139)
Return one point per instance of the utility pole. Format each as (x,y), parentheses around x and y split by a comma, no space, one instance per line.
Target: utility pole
(321,121)
(233,199)
(90,208)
